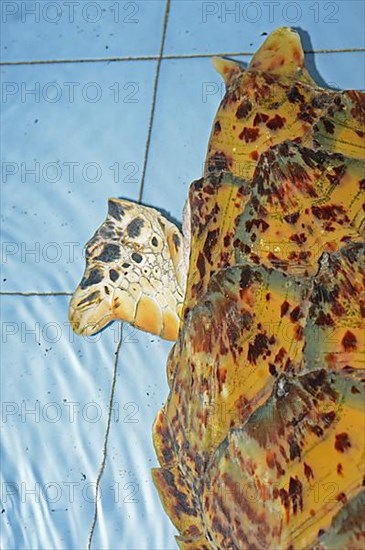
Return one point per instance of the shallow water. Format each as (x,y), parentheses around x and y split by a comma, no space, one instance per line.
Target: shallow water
(63,156)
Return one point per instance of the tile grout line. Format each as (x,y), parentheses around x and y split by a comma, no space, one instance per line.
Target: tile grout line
(163,57)
(106,437)
(154,96)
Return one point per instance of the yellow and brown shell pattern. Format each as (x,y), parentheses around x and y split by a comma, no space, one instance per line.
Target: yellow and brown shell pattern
(261,441)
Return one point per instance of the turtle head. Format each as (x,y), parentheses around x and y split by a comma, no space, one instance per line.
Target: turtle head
(132,273)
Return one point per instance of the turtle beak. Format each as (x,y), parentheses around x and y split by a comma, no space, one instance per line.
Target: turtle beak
(89,312)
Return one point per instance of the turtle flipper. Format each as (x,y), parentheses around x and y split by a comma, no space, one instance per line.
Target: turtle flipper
(281,54)
(179,501)
(135,272)
(227,68)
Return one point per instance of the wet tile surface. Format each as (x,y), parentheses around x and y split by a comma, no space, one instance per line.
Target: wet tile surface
(218,27)
(76,30)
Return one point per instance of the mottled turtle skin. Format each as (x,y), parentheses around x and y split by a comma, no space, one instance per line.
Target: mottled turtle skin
(261,440)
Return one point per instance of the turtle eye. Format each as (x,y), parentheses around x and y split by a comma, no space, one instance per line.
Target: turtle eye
(154,241)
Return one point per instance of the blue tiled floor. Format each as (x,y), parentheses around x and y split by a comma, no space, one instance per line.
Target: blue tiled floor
(57,215)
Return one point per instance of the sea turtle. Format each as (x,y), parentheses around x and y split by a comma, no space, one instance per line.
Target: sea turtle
(261,440)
